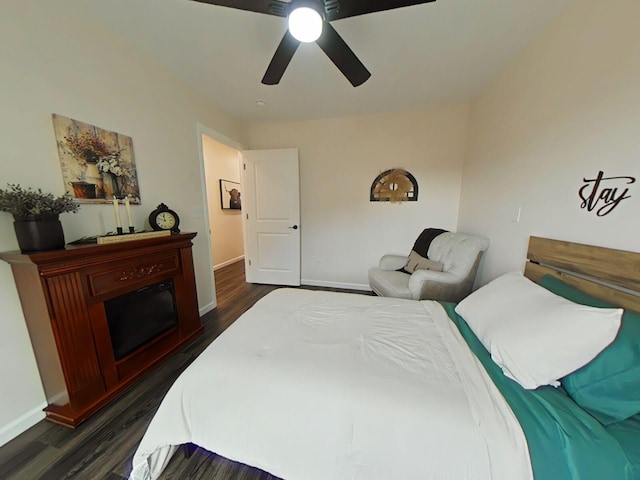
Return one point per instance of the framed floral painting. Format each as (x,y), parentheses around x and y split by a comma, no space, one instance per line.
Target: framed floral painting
(97,165)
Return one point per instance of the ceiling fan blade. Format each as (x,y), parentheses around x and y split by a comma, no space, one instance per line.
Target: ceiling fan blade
(270,7)
(280,61)
(342,56)
(337,9)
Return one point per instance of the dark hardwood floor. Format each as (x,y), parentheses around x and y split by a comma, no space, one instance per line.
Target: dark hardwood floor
(103,446)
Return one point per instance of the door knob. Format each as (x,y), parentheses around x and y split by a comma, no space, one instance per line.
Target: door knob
(295,227)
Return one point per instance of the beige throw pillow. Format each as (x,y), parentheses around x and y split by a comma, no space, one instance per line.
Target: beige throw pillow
(418,262)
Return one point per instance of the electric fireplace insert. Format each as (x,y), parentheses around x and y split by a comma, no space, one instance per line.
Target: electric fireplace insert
(138,317)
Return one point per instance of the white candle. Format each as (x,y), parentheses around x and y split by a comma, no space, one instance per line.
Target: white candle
(127,205)
(115,207)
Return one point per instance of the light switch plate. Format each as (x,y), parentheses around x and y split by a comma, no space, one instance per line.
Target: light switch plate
(515,216)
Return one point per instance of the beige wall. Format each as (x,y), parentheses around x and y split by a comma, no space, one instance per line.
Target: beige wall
(343,233)
(222,162)
(51,61)
(565,108)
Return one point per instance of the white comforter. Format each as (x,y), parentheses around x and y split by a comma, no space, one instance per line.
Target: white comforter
(330,386)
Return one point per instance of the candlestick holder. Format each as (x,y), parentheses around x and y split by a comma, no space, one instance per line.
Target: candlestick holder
(132,229)
(119,230)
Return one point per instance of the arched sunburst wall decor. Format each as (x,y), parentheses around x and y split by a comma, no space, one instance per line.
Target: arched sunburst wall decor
(394,185)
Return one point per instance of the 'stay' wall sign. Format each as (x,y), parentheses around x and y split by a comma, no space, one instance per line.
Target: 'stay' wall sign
(603,194)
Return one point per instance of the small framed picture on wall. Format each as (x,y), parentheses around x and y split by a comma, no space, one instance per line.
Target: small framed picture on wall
(230,195)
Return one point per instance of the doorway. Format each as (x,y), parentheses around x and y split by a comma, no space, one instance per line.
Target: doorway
(221,160)
(268,237)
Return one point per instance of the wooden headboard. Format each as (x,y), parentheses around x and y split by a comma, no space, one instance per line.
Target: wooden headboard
(605,273)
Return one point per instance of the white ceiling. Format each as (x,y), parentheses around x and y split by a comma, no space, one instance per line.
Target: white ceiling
(418,56)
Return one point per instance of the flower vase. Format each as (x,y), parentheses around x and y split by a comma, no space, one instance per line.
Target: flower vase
(93,177)
(110,185)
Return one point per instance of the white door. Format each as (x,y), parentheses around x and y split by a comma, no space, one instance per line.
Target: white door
(271,207)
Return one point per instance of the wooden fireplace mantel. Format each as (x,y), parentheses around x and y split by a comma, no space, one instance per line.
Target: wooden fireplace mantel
(62,293)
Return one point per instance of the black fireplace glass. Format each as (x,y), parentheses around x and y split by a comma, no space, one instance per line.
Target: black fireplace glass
(138,317)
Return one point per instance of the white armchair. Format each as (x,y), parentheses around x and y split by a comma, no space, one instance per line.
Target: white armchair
(460,256)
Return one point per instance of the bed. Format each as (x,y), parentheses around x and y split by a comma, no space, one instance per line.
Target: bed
(323,385)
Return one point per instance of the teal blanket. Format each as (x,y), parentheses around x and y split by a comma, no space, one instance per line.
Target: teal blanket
(565,442)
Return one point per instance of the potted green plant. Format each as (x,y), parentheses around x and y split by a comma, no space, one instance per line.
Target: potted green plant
(36,216)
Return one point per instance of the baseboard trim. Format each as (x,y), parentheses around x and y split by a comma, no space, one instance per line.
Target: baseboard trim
(228,262)
(21,424)
(206,308)
(343,285)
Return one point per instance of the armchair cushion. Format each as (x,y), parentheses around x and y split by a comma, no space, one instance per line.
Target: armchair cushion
(390,283)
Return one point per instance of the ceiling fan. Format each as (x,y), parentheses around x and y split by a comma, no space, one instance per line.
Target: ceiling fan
(309,22)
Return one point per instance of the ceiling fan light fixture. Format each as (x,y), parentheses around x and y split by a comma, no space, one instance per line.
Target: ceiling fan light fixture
(305,24)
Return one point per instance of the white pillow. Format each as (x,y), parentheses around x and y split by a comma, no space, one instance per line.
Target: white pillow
(535,336)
